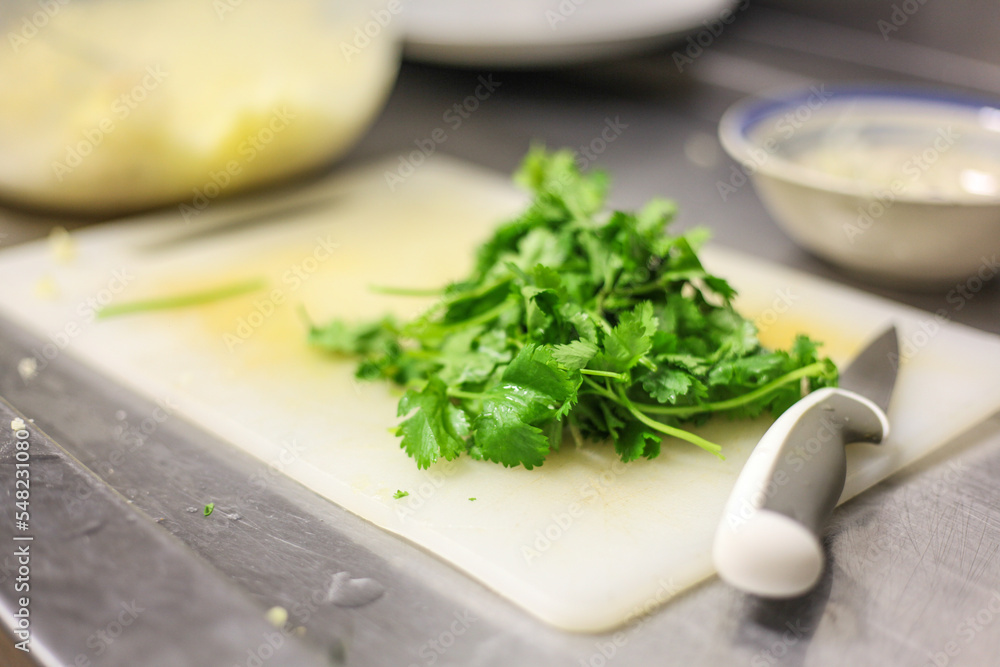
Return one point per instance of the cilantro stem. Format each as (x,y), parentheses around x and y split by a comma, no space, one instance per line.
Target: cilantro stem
(608,417)
(663,280)
(735,402)
(639,410)
(707,445)
(601,391)
(621,377)
(575,432)
(482,317)
(458,393)
(601,320)
(610,278)
(421,328)
(183,300)
(479,291)
(624,401)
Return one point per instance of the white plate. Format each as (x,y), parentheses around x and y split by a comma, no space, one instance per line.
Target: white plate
(549,32)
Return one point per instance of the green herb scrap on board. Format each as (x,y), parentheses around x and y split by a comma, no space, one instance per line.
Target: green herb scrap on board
(576,324)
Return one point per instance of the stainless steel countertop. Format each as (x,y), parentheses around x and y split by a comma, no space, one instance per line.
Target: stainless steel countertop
(912,576)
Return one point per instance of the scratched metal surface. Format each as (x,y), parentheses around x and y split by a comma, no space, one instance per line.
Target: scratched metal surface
(94,580)
(913,574)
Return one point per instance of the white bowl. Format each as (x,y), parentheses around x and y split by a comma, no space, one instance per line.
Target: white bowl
(899,186)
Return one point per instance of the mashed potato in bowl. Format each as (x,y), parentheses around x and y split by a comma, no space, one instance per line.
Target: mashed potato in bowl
(118,105)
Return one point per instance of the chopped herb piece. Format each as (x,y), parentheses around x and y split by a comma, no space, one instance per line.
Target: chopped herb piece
(183,300)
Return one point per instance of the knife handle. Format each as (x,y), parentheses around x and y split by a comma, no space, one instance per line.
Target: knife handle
(768,542)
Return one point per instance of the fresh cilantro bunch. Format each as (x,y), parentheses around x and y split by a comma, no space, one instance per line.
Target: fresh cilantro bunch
(581,323)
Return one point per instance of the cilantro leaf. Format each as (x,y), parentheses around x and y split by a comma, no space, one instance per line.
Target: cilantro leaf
(666,385)
(342,338)
(629,341)
(471,356)
(436,428)
(533,389)
(637,440)
(574,355)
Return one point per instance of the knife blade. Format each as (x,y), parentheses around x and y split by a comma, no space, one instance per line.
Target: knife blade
(768,540)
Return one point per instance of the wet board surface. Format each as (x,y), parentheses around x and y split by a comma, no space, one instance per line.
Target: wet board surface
(584,543)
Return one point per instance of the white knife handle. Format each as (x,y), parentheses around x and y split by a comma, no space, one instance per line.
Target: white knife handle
(768,542)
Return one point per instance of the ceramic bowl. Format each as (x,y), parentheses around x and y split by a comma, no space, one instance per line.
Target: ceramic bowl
(898,186)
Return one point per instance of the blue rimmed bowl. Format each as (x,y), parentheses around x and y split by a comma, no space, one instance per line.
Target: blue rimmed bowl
(899,186)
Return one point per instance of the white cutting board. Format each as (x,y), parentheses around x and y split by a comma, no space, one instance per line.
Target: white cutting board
(584,543)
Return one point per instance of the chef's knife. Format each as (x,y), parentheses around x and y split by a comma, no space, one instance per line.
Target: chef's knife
(768,541)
